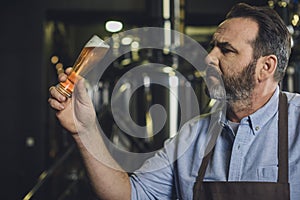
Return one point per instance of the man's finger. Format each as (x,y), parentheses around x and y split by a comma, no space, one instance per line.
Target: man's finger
(55,104)
(56,95)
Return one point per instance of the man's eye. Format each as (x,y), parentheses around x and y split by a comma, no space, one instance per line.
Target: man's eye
(225,50)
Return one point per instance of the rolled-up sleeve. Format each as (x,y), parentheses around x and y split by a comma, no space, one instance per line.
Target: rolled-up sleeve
(158,177)
(154,180)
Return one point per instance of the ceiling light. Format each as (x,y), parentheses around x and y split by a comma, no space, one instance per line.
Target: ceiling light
(113,26)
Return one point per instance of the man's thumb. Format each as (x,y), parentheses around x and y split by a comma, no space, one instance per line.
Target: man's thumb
(80,93)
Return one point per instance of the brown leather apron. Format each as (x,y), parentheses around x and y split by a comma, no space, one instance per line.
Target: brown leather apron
(251,190)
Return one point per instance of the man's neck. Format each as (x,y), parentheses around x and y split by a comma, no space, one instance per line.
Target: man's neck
(239,109)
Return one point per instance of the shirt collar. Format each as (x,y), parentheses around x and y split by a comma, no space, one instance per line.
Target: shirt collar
(258,119)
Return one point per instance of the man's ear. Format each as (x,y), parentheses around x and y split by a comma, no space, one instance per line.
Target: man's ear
(267,67)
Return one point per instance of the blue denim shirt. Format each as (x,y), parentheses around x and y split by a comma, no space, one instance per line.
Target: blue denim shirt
(248,155)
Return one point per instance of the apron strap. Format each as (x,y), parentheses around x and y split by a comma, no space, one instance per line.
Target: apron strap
(204,163)
(208,151)
(283,165)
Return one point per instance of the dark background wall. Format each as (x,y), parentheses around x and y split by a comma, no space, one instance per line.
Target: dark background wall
(23,96)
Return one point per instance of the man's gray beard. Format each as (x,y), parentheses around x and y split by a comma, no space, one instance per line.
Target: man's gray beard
(217,92)
(235,88)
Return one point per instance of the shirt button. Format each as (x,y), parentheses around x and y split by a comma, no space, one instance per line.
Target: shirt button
(257,128)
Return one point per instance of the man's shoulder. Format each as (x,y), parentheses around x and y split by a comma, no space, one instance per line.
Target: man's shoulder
(293,98)
(197,122)
(194,127)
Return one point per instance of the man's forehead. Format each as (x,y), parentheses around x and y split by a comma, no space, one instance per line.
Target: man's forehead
(236,28)
(219,32)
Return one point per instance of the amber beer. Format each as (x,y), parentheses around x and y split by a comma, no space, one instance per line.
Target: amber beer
(90,55)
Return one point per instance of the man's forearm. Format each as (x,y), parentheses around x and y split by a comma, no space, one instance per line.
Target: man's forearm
(108,179)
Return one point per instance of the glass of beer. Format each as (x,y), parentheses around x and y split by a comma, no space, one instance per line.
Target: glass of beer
(91,54)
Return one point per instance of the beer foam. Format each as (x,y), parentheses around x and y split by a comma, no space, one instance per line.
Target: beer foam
(95,41)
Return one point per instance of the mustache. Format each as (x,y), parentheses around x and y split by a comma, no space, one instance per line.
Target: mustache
(212,72)
(213,76)
(214,83)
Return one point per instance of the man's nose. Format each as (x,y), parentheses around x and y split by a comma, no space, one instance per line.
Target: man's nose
(212,57)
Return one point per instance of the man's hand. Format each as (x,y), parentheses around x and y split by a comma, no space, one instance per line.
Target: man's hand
(77,116)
